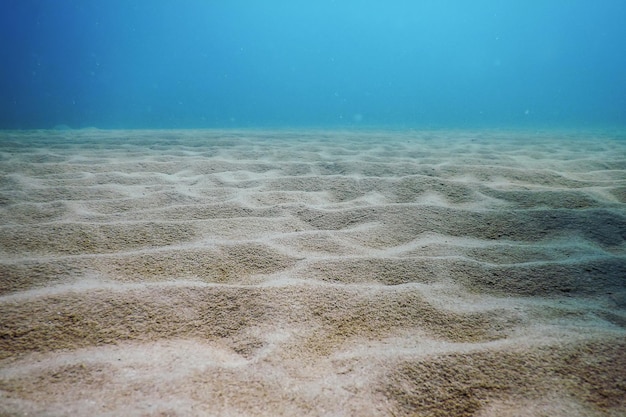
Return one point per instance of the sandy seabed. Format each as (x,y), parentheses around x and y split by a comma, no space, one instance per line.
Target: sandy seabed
(312,273)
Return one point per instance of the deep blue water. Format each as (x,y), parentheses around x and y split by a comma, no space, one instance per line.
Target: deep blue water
(322,63)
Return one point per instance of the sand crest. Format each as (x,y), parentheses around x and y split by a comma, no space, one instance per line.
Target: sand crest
(344,273)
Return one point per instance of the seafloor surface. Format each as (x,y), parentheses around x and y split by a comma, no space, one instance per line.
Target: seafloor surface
(443,273)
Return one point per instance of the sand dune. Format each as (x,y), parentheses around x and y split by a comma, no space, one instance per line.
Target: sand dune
(356,273)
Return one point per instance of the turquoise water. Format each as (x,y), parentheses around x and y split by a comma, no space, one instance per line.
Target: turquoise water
(324,63)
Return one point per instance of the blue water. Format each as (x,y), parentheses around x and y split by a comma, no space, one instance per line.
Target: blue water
(323,63)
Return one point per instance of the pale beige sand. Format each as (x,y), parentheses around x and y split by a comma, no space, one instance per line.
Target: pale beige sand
(312,273)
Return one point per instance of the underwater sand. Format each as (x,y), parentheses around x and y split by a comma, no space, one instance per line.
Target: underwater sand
(312,273)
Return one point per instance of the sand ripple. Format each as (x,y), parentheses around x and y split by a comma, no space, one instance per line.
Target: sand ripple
(442,273)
